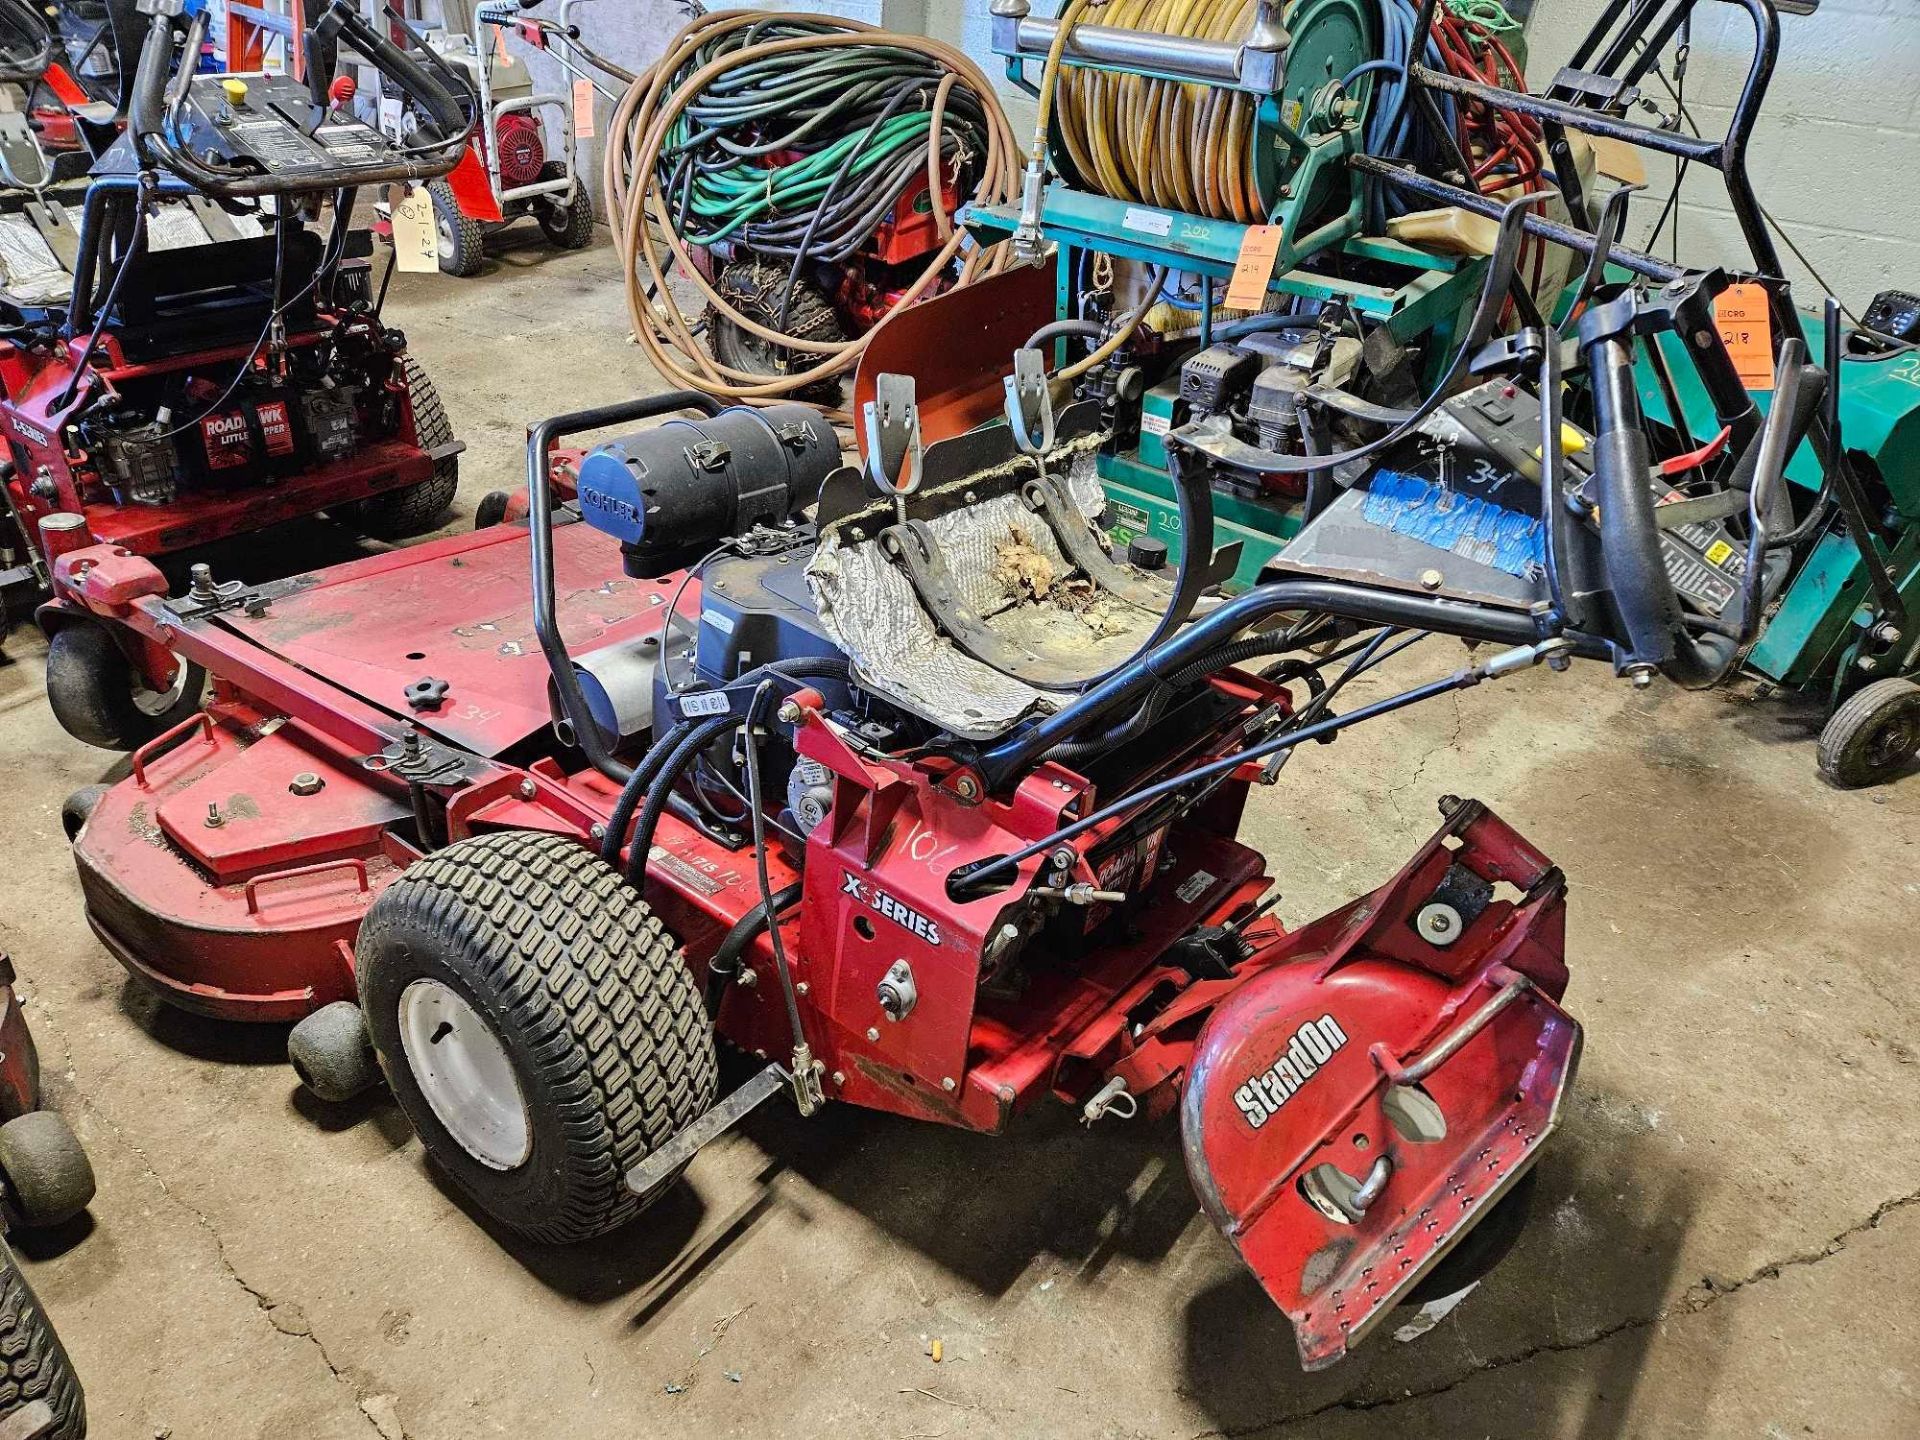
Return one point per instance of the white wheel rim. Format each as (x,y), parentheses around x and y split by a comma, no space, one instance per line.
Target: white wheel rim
(444,232)
(462,1069)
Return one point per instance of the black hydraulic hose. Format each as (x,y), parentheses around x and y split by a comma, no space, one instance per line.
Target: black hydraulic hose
(756,805)
(724,967)
(971,877)
(1015,756)
(546,605)
(690,744)
(648,774)
(1065,330)
(635,790)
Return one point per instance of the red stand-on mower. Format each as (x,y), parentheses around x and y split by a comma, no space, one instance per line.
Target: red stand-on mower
(218,365)
(890,776)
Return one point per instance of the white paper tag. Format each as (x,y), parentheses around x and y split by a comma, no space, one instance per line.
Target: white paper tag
(416,239)
(1148,222)
(704,703)
(1156,424)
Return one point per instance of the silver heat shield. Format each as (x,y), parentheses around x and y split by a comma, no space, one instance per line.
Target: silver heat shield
(1009,568)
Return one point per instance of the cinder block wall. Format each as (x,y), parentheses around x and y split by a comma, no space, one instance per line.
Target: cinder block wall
(1835,152)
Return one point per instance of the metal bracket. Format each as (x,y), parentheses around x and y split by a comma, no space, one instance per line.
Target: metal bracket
(1029,404)
(418,761)
(894,449)
(663,1166)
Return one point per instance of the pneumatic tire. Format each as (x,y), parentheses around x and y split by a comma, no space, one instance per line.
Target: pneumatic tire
(463,249)
(538,1026)
(414,509)
(33,1363)
(1874,737)
(568,226)
(101,699)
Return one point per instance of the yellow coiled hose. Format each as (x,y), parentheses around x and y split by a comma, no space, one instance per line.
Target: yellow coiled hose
(1155,142)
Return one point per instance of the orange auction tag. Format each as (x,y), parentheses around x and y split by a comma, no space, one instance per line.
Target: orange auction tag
(1746,328)
(501,55)
(1253,272)
(583,109)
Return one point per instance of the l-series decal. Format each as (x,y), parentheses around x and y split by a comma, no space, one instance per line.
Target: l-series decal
(1313,1044)
(898,911)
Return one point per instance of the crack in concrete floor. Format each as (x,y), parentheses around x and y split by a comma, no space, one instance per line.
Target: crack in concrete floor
(1696,1299)
(286,1317)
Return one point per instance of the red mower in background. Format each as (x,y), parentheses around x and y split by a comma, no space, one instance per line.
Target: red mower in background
(216,364)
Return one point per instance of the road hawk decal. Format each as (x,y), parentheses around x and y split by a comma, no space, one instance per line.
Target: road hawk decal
(1313,1044)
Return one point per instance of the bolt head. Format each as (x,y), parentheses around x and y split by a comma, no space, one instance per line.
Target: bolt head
(598,832)
(949,1084)
(789,713)
(528,790)
(801,988)
(306,783)
(839,1077)
(872,1034)
(1431,579)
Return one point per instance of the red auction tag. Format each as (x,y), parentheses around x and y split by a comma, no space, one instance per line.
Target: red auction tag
(1745,320)
(1253,272)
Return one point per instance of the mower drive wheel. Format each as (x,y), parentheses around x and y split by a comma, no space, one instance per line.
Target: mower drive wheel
(568,226)
(33,1363)
(48,1177)
(1874,736)
(463,247)
(98,696)
(414,509)
(330,1052)
(538,1025)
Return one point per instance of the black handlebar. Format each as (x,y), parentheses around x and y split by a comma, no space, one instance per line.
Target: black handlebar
(22,23)
(448,103)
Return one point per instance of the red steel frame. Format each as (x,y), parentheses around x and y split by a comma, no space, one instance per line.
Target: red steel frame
(253,916)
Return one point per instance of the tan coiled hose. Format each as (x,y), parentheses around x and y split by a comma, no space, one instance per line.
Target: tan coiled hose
(1157,142)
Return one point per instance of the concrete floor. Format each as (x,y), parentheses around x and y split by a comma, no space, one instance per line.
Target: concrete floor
(1727,1244)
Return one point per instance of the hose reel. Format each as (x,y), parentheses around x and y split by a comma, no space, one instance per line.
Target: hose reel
(1211,108)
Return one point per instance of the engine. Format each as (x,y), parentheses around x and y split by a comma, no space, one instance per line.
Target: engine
(171,432)
(1257,381)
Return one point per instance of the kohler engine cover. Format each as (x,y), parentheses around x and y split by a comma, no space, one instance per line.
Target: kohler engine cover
(671,493)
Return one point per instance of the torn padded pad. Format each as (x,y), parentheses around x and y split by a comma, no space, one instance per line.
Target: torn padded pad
(999,553)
